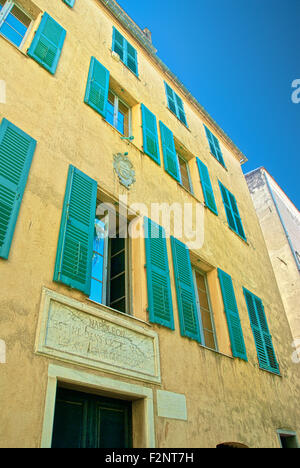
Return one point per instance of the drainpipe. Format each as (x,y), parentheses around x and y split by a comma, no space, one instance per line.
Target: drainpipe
(282,222)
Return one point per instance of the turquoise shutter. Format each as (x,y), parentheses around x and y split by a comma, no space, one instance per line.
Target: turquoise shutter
(175,104)
(70,3)
(180,110)
(118,45)
(207,187)
(150,136)
(47,44)
(214,146)
(186,299)
(263,339)
(160,305)
(169,151)
(126,51)
(232,315)
(131,58)
(75,246)
(232,212)
(96,94)
(16,153)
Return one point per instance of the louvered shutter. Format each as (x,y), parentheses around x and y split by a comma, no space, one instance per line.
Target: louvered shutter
(160,305)
(97,88)
(150,136)
(169,151)
(214,146)
(70,3)
(186,299)
(171,98)
(236,214)
(75,246)
(47,44)
(207,187)
(118,45)
(16,153)
(131,59)
(180,110)
(232,212)
(263,339)
(232,315)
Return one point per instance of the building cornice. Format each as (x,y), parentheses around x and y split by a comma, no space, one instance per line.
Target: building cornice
(125,20)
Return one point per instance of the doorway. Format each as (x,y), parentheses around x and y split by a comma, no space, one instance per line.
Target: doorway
(83,420)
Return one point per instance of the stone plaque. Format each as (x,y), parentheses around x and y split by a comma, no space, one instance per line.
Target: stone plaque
(93,337)
(171,405)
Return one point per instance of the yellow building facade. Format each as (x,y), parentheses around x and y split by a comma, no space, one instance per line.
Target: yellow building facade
(180,340)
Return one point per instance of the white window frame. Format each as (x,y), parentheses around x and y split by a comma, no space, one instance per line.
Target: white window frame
(179,156)
(116,112)
(7,7)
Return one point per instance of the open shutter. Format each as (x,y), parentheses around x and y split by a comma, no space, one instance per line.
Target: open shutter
(186,299)
(16,153)
(70,3)
(118,45)
(131,58)
(169,152)
(150,136)
(207,187)
(97,88)
(227,206)
(263,339)
(75,246)
(236,214)
(47,44)
(171,99)
(160,305)
(232,212)
(180,110)
(232,315)
(214,146)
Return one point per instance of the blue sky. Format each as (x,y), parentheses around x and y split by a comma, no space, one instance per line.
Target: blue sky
(239,59)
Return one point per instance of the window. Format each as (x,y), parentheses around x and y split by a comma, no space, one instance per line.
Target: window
(207,187)
(184,173)
(118,114)
(288,439)
(14,22)
(110,270)
(175,104)
(204,310)
(232,211)
(214,146)
(126,52)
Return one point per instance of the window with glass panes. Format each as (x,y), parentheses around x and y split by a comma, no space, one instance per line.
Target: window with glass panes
(204,310)
(118,114)
(110,272)
(184,173)
(14,22)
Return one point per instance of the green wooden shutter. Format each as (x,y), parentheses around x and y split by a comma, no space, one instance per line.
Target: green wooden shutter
(158,276)
(169,151)
(70,3)
(207,187)
(96,94)
(16,153)
(47,44)
(150,135)
(263,339)
(232,315)
(232,212)
(75,246)
(214,146)
(186,299)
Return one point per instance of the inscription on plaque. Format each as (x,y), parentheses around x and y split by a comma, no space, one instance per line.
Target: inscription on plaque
(97,340)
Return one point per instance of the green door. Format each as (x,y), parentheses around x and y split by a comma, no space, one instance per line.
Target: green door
(82,420)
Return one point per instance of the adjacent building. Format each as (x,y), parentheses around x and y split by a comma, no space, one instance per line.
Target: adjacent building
(139,307)
(280,223)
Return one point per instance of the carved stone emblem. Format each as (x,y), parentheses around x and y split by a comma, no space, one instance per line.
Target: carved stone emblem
(124,169)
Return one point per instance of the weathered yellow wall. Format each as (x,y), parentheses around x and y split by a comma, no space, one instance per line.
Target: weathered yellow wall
(227,399)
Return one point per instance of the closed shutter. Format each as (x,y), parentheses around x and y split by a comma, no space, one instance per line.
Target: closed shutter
(96,94)
(16,153)
(180,110)
(169,151)
(175,104)
(75,246)
(150,136)
(158,276)
(47,44)
(232,315)
(232,212)
(118,45)
(236,214)
(70,3)
(186,299)
(132,59)
(214,146)
(207,187)
(126,51)
(263,339)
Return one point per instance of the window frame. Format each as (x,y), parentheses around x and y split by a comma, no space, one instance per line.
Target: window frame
(117,99)
(175,98)
(195,271)
(182,158)
(125,51)
(6,10)
(233,213)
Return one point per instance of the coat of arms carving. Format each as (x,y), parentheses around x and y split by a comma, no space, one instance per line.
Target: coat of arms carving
(124,169)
